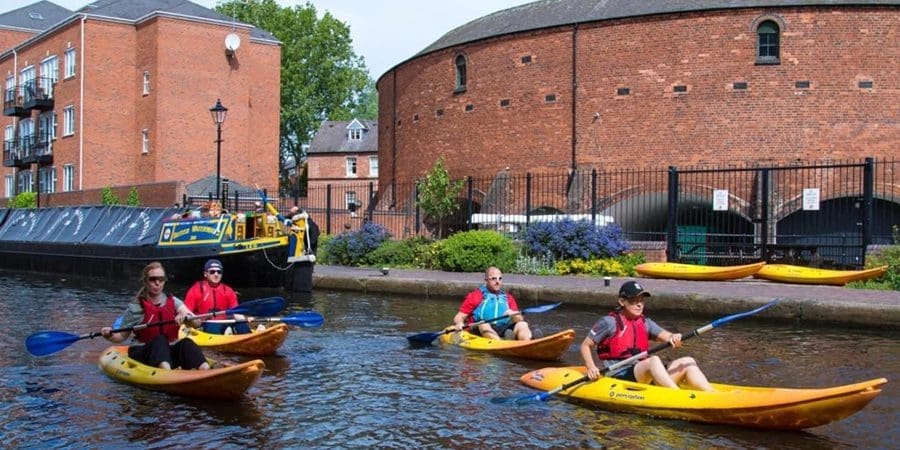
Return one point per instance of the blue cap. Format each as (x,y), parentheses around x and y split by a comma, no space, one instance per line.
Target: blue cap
(212,264)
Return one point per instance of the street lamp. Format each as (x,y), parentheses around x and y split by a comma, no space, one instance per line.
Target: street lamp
(218,115)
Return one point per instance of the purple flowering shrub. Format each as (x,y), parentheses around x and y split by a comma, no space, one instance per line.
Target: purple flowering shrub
(353,247)
(568,239)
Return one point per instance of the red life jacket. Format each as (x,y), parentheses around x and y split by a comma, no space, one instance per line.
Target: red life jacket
(153,313)
(629,339)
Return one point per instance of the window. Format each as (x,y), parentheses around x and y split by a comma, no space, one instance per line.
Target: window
(26,181)
(10,89)
(352,201)
(26,136)
(8,135)
(70,62)
(526,59)
(460,73)
(767,43)
(68,178)
(623,91)
(10,186)
(47,129)
(47,180)
(351,166)
(146,83)
(373,166)
(355,134)
(504,103)
(69,120)
(145,141)
(26,79)
(550,98)
(49,75)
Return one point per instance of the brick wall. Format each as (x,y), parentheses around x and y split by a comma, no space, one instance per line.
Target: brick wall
(772,121)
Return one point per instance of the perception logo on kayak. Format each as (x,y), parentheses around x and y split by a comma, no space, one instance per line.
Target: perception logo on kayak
(537,376)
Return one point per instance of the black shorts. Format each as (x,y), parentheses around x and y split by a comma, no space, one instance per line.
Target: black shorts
(626,374)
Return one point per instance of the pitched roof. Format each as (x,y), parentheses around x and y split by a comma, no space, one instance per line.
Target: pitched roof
(35,17)
(332,138)
(553,13)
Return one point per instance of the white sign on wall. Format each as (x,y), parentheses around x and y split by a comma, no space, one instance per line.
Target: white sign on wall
(811,199)
(720,200)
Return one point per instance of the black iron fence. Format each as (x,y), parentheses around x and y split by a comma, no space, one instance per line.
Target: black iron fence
(823,214)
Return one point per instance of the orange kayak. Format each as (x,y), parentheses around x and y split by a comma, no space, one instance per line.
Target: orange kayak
(678,271)
(787,273)
(226,383)
(546,348)
(256,343)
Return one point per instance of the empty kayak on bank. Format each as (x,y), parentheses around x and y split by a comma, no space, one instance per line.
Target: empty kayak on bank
(546,348)
(256,343)
(226,383)
(756,407)
(696,272)
(787,273)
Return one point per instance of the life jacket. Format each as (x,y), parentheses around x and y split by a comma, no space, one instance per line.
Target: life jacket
(629,339)
(153,313)
(213,298)
(492,305)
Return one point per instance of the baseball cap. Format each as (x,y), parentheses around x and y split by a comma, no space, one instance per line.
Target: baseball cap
(632,289)
(212,264)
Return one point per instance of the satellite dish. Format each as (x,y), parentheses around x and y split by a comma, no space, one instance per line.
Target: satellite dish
(232,42)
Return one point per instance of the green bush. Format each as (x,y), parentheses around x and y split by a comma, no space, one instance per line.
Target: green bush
(890,281)
(322,255)
(620,266)
(108,197)
(393,254)
(428,254)
(133,199)
(474,251)
(23,200)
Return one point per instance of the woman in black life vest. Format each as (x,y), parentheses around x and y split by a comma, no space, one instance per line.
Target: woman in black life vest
(625,332)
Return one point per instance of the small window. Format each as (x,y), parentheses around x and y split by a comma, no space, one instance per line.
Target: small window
(768,43)
(70,62)
(460,73)
(47,180)
(866,84)
(355,134)
(802,84)
(69,120)
(145,141)
(373,166)
(504,103)
(679,88)
(550,98)
(470,107)
(10,184)
(623,91)
(68,178)
(351,166)
(740,85)
(416,117)
(146,83)
(439,112)
(526,59)
(352,202)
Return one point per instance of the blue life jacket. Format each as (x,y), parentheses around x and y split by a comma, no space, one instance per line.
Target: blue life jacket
(492,305)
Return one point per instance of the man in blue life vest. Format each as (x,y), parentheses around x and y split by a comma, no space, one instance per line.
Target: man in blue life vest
(625,332)
(488,302)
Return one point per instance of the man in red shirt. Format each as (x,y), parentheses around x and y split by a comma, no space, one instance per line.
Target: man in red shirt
(210,294)
(490,301)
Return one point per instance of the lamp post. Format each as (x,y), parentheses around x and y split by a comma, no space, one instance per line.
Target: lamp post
(218,115)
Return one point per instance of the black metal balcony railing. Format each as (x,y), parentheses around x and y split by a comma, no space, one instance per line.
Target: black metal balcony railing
(14,102)
(38,93)
(41,150)
(11,156)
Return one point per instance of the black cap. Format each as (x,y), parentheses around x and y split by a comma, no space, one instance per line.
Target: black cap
(632,289)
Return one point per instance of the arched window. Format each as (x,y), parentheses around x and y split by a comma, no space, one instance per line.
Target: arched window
(767,43)
(460,73)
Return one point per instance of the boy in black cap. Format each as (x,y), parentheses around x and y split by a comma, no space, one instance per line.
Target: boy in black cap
(625,332)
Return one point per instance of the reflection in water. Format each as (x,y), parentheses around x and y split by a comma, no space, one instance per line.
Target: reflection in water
(356,382)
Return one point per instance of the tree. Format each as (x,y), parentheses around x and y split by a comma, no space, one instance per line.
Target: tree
(437,195)
(321,76)
(133,197)
(108,197)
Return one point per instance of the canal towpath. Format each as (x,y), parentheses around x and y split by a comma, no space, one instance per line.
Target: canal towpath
(806,303)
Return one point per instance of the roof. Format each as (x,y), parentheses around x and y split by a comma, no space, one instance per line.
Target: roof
(553,13)
(207,185)
(36,17)
(332,138)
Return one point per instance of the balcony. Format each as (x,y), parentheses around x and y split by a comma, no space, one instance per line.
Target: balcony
(14,103)
(11,155)
(38,94)
(39,150)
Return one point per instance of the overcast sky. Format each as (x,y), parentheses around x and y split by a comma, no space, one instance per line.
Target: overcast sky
(384,32)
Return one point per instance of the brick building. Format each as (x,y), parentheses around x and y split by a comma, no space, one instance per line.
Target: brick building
(119,93)
(577,84)
(344,156)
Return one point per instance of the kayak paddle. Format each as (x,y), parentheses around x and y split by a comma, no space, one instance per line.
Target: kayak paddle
(47,342)
(304,319)
(544,396)
(426,338)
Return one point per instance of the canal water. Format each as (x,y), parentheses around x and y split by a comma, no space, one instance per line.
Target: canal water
(355,382)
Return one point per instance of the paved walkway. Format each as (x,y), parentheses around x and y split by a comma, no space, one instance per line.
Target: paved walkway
(821,304)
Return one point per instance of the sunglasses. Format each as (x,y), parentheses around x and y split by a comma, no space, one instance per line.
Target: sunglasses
(494,278)
(214,272)
(156,279)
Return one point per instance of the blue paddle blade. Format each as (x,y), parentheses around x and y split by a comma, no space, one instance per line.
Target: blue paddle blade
(541,308)
(46,342)
(118,323)
(260,307)
(423,338)
(305,319)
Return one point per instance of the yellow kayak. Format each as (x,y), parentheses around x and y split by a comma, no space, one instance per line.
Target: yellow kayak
(546,348)
(256,343)
(786,273)
(755,407)
(225,383)
(678,271)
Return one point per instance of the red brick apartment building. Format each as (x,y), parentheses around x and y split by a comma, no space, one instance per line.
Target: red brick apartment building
(118,93)
(343,157)
(581,84)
